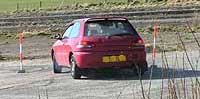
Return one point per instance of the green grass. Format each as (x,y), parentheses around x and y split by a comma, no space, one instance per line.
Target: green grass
(11,5)
(7,6)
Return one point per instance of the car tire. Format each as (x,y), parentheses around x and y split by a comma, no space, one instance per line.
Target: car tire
(140,69)
(75,71)
(56,67)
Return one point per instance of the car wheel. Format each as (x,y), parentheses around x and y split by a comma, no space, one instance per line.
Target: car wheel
(140,69)
(75,72)
(56,67)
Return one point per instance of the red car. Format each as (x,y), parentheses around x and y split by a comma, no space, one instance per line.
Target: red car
(103,42)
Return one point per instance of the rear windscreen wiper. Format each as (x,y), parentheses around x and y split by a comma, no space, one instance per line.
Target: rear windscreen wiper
(121,34)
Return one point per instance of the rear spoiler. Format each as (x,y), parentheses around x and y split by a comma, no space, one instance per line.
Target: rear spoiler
(106,18)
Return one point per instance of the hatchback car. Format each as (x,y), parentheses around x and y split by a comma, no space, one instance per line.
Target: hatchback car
(99,42)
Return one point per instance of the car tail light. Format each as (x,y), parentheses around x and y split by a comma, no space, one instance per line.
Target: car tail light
(85,44)
(137,42)
(140,41)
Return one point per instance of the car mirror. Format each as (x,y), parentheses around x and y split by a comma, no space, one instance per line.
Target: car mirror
(58,37)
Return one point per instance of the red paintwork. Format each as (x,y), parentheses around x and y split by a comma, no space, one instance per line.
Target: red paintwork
(92,57)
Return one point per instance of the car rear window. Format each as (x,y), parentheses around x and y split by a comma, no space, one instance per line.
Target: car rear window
(108,28)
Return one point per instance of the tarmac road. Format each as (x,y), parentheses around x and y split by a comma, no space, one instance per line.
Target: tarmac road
(40,83)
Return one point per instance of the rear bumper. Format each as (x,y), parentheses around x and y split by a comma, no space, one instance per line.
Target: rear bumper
(94,59)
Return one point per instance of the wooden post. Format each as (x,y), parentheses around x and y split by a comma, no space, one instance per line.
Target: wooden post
(17,7)
(40,4)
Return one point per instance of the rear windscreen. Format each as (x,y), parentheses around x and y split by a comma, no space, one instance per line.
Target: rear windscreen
(108,28)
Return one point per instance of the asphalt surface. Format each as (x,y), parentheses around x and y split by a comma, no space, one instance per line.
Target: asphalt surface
(40,83)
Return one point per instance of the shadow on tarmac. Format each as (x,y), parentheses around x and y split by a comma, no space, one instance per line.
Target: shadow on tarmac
(158,73)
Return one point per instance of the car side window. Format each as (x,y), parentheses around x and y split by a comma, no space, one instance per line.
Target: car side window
(75,30)
(67,32)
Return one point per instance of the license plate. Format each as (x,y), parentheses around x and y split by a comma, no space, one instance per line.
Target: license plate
(120,58)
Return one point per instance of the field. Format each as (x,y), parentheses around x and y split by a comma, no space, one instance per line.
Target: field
(54,5)
(12,5)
